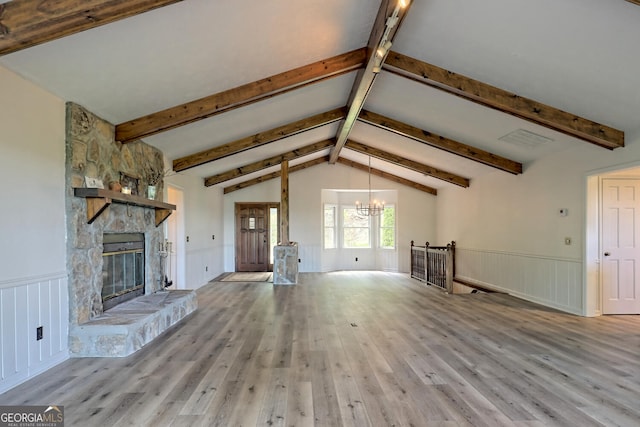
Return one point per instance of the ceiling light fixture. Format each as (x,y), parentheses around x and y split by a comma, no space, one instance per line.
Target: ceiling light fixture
(374,207)
(381,54)
(385,44)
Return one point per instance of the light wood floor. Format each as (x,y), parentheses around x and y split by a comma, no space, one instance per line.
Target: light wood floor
(359,349)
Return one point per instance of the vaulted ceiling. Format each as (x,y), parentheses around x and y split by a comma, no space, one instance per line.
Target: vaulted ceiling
(229,89)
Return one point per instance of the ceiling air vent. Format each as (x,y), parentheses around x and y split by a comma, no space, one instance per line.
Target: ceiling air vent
(525,138)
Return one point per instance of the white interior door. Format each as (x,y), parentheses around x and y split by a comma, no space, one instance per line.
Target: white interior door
(620,257)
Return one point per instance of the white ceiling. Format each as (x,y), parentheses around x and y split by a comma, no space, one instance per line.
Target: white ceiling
(580,56)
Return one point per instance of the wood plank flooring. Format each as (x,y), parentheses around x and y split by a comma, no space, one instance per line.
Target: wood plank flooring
(359,349)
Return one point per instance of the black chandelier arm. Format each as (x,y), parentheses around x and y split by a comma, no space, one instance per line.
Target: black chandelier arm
(373,208)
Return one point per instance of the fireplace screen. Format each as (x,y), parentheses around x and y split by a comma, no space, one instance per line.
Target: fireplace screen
(122,268)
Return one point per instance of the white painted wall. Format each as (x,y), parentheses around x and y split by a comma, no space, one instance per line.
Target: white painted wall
(501,218)
(415,218)
(33,278)
(203,219)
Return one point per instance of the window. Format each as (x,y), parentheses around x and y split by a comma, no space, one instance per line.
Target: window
(274,225)
(330,226)
(388,228)
(355,229)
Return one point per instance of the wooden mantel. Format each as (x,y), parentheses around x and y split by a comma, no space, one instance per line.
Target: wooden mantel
(99,199)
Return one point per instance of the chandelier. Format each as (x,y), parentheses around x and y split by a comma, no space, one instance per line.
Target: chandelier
(374,207)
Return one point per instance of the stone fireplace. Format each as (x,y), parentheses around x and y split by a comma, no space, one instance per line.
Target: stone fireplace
(122,268)
(91,151)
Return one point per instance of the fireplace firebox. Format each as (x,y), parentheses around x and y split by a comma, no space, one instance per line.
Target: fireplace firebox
(122,268)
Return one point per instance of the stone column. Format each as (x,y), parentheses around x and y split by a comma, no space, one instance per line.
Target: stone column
(285,264)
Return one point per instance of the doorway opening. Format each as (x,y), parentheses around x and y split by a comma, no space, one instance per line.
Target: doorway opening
(175,233)
(612,251)
(257,232)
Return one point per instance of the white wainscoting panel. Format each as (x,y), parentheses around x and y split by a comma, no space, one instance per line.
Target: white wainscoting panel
(25,305)
(203,265)
(553,282)
(368,259)
(309,256)
(387,260)
(329,259)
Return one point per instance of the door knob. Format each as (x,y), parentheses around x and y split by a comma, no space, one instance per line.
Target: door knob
(607,254)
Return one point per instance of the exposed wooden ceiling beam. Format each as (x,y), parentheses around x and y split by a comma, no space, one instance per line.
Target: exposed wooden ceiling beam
(389,176)
(240,96)
(266,163)
(440,142)
(258,139)
(504,101)
(26,23)
(407,163)
(274,175)
(342,160)
(381,33)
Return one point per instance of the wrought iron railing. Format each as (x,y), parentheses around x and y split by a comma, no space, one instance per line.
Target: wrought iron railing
(434,265)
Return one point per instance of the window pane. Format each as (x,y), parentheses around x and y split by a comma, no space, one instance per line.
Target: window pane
(329,216)
(388,238)
(273,232)
(355,229)
(330,227)
(356,237)
(352,219)
(388,228)
(389,217)
(329,238)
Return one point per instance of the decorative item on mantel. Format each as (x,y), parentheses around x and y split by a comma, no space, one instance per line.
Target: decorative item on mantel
(151,192)
(93,182)
(129,184)
(115,186)
(153,178)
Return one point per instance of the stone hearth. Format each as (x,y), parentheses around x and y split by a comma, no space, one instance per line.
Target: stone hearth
(126,328)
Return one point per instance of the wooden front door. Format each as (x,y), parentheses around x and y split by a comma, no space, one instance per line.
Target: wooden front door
(620,258)
(252,237)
